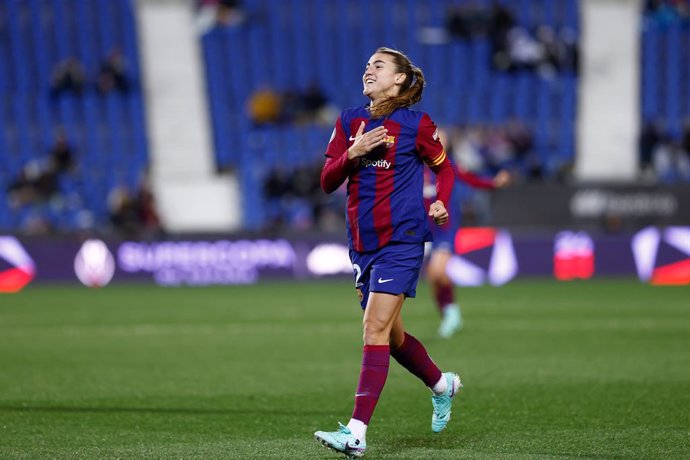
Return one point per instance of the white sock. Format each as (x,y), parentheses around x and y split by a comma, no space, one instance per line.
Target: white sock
(451,306)
(441,386)
(358,428)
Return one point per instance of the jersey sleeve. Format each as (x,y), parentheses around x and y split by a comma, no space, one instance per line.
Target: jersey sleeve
(337,145)
(338,166)
(433,154)
(428,143)
(474,180)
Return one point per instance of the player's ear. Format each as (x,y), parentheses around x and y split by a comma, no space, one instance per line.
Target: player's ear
(400,78)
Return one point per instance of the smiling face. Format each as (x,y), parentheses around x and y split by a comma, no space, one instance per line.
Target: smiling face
(381,78)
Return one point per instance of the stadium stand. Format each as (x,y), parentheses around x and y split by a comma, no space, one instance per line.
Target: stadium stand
(665,95)
(287,44)
(53,80)
(51,55)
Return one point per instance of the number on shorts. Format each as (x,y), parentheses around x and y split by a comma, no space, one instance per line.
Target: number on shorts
(358,274)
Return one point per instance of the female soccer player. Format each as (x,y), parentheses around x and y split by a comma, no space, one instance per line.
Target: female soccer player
(443,244)
(381,149)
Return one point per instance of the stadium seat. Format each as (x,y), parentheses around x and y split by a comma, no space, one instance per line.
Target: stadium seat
(108,133)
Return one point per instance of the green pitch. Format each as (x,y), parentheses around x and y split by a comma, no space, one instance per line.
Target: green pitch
(581,370)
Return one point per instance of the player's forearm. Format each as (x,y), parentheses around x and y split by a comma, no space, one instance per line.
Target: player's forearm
(445,179)
(473,180)
(335,171)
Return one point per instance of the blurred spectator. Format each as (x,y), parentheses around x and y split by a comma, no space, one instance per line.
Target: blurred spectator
(671,164)
(124,212)
(313,100)
(275,187)
(230,13)
(667,11)
(552,51)
(134,215)
(651,137)
(570,51)
(463,147)
(264,106)
(521,139)
(38,190)
(37,183)
(548,53)
(267,106)
(685,140)
(488,149)
(524,51)
(61,155)
(513,46)
(663,158)
(496,149)
(205,15)
(315,106)
(68,77)
(20,191)
(112,73)
(466,21)
(148,213)
(219,13)
(502,21)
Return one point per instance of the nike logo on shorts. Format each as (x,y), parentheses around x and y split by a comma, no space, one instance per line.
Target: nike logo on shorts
(381,280)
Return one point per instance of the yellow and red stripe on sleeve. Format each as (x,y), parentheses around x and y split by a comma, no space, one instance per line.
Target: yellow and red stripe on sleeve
(440,158)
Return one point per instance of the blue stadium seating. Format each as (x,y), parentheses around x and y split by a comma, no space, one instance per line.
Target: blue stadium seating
(289,43)
(107,132)
(665,73)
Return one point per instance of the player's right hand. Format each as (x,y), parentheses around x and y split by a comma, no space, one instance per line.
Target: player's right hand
(438,212)
(366,142)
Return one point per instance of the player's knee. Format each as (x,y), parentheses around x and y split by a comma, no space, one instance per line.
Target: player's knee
(396,340)
(375,332)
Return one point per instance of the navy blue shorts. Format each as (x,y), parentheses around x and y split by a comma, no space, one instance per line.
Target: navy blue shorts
(393,269)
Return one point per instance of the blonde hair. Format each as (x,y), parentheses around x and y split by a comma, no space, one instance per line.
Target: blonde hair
(411,89)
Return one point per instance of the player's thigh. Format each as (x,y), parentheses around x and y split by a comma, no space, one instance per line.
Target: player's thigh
(381,312)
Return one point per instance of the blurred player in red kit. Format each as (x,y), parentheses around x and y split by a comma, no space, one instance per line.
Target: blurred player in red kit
(443,244)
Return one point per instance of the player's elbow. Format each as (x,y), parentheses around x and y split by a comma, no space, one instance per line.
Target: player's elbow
(327,185)
(328,190)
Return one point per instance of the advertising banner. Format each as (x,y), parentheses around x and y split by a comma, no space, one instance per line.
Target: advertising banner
(596,207)
(482,256)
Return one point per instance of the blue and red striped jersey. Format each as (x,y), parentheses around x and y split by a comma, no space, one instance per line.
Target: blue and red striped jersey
(385,202)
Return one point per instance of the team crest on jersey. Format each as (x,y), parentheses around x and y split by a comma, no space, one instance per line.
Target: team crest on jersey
(390,141)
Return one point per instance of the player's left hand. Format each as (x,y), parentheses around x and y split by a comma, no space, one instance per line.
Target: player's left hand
(502,179)
(438,211)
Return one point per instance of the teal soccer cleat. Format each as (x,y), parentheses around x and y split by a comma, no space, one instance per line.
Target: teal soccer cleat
(342,441)
(442,403)
(451,322)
